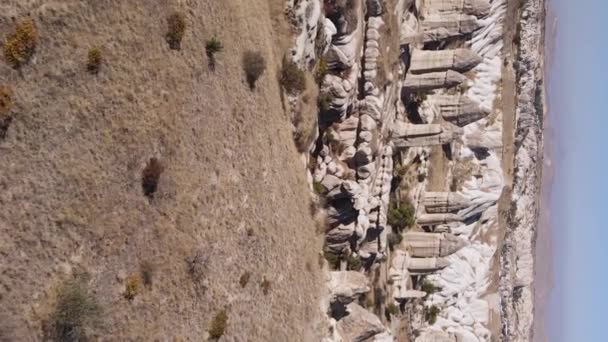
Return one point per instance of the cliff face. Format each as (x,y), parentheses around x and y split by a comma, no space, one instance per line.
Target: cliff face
(231,199)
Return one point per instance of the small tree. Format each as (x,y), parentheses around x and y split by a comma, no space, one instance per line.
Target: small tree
(431,313)
(212,47)
(394,239)
(176,23)
(94,60)
(21,45)
(429,287)
(401,217)
(254,65)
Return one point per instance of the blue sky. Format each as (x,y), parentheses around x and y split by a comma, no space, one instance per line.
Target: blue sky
(578,96)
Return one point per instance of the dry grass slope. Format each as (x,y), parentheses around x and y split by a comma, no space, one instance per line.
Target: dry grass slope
(232,185)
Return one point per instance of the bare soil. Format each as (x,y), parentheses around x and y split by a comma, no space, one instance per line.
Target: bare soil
(232,188)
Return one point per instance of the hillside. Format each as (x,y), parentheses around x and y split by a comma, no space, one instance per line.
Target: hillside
(231,196)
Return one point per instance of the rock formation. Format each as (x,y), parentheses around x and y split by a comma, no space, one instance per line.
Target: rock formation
(458,109)
(432,80)
(460,60)
(428,245)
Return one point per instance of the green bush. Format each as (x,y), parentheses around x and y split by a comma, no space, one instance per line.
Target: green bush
(392,309)
(292,78)
(429,287)
(212,47)
(353,263)
(254,65)
(319,188)
(333,259)
(217,328)
(431,313)
(94,60)
(75,313)
(401,217)
(176,29)
(21,45)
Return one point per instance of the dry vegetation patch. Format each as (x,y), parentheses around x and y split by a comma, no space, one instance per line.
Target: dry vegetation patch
(254,65)
(21,45)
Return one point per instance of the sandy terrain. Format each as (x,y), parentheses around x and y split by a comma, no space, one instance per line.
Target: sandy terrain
(232,189)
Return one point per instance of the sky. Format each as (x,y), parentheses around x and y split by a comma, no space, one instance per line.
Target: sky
(578,203)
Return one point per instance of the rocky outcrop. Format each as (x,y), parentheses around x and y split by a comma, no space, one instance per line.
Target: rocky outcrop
(432,80)
(478,8)
(458,109)
(358,324)
(460,60)
(431,245)
(438,27)
(346,286)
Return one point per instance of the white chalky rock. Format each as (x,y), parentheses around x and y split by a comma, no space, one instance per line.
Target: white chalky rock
(347,286)
(359,324)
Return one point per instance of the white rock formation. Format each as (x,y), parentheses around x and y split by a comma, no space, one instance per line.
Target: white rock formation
(460,60)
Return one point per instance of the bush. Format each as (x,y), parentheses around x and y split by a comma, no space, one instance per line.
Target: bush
(265,285)
(319,188)
(392,309)
(333,259)
(21,45)
(94,60)
(353,263)
(321,70)
(401,217)
(6,102)
(176,23)
(394,239)
(292,78)
(244,279)
(429,287)
(218,325)
(133,286)
(212,47)
(254,65)
(76,312)
(431,313)
(151,177)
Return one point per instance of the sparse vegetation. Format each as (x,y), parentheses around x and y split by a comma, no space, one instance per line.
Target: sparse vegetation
(76,313)
(333,259)
(133,286)
(176,23)
(244,279)
(151,177)
(402,216)
(254,65)
(94,60)
(265,285)
(292,78)
(394,239)
(212,47)
(197,264)
(21,45)
(431,313)
(322,69)
(217,328)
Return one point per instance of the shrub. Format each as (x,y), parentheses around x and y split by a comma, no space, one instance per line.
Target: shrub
(321,70)
(147,270)
(333,259)
(197,264)
(244,279)
(21,45)
(394,239)
(212,47)
(176,23)
(392,309)
(133,286)
(429,287)
(6,102)
(292,78)
(353,263)
(75,313)
(254,65)
(431,313)
(151,176)
(94,60)
(265,285)
(218,325)
(401,217)
(319,188)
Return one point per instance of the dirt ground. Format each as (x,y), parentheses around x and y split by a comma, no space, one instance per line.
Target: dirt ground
(233,189)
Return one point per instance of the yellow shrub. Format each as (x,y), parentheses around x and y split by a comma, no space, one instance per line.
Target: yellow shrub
(133,286)
(21,45)
(6,102)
